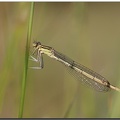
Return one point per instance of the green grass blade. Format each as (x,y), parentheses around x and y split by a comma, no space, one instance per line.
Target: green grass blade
(22,99)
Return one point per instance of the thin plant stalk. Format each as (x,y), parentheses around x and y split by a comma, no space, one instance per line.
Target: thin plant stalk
(23,89)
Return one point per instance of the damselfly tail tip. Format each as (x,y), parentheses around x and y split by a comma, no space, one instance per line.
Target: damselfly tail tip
(115,88)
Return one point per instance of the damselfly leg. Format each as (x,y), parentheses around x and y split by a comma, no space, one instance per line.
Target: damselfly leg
(39,60)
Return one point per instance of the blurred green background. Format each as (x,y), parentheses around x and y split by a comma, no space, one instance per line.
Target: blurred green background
(89,33)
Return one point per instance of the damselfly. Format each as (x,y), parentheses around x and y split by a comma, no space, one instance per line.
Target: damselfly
(86,75)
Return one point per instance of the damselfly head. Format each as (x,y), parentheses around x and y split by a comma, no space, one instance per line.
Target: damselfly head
(36,44)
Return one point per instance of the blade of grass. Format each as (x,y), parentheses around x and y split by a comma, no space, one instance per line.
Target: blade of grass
(67,113)
(23,90)
(115,111)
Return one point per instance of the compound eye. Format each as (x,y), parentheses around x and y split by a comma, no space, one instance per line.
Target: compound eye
(35,44)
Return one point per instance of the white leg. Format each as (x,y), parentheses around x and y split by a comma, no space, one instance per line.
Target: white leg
(39,59)
(33,59)
(36,68)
